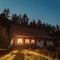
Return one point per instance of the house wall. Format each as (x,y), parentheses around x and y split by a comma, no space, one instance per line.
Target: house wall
(40,43)
(50,43)
(44,42)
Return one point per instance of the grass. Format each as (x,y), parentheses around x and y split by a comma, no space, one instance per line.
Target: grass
(25,55)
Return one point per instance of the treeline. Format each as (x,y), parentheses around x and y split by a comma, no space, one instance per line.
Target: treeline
(22,20)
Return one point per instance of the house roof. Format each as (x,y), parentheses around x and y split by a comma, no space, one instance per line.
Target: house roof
(27,31)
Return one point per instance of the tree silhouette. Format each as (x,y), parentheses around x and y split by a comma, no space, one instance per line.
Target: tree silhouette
(24,20)
(15,19)
(6,12)
(39,24)
(57,27)
(43,24)
(20,18)
(33,24)
(2,16)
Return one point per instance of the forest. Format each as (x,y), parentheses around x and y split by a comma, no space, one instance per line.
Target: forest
(23,20)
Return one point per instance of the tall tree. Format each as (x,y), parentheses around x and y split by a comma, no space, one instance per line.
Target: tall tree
(6,12)
(43,24)
(33,24)
(20,18)
(57,27)
(25,19)
(39,24)
(15,18)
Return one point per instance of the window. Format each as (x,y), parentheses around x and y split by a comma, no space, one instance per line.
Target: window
(20,41)
(27,41)
(32,41)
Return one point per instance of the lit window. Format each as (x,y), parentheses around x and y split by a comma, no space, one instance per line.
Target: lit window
(20,41)
(32,41)
(27,41)
(11,42)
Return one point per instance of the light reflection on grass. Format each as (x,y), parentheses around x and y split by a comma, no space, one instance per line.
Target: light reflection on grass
(34,55)
(9,56)
(25,55)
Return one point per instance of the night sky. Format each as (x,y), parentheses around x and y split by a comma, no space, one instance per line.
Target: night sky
(46,10)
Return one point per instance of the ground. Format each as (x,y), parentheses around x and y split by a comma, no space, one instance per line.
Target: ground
(26,54)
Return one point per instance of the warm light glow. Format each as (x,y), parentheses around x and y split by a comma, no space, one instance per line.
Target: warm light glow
(20,41)
(32,41)
(11,42)
(27,41)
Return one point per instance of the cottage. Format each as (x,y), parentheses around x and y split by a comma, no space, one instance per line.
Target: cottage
(26,36)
